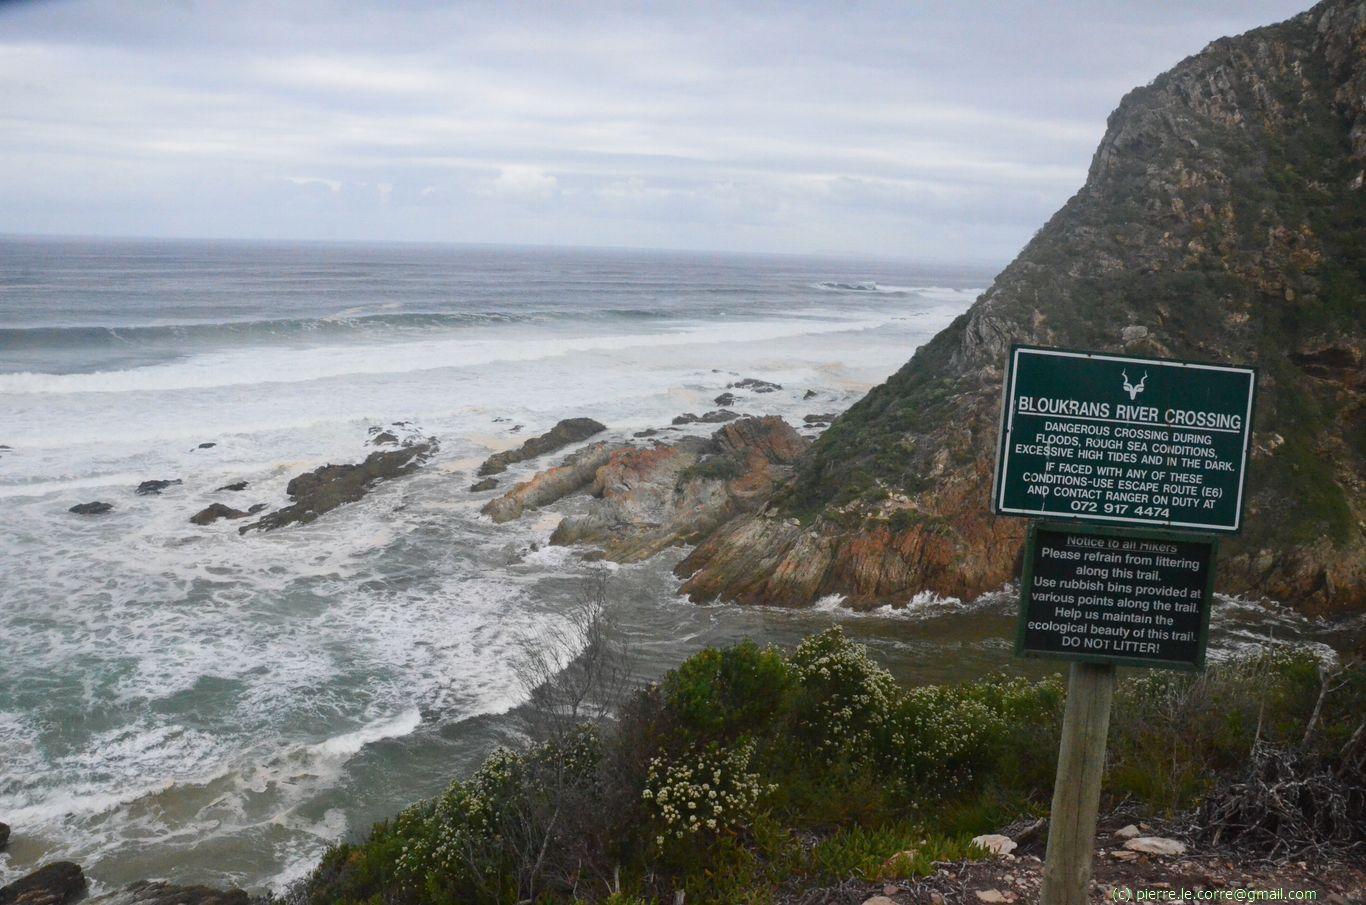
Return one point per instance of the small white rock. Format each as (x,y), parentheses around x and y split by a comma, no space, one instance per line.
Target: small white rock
(1128,832)
(1156,845)
(995,843)
(1133,333)
(878,900)
(990,896)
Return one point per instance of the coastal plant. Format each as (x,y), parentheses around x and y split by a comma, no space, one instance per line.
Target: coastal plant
(1224,713)
(517,825)
(844,698)
(729,691)
(701,794)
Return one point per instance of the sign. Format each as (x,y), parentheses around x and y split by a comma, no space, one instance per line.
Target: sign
(1107,596)
(1122,440)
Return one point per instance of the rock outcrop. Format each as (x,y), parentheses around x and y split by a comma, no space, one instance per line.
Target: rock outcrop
(650,498)
(720,416)
(550,485)
(233,487)
(215,511)
(570,430)
(52,884)
(98,507)
(157,892)
(155,486)
(1224,219)
(320,491)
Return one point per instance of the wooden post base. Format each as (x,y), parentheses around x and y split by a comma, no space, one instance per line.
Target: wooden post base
(1076,791)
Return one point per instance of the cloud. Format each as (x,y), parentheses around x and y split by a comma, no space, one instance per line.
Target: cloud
(522,183)
(332,185)
(945,127)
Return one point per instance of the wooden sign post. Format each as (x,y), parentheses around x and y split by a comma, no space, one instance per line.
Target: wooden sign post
(1076,791)
(1132,444)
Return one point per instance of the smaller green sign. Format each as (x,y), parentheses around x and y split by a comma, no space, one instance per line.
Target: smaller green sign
(1121,440)
(1107,595)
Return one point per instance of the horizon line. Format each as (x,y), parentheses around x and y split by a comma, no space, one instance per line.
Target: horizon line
(448,243)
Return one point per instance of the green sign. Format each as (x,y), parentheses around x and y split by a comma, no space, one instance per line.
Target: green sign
(1105,595)
(1122,440)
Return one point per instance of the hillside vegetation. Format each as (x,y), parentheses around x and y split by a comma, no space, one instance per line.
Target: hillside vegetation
(749,772)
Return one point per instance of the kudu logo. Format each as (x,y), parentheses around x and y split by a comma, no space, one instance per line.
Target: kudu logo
(1133,389)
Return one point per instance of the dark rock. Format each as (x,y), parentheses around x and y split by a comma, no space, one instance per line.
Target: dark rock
(206,446)
(648,432)
(481,486)
(52,884)
(809,394)
(515,429)
(718,417)
(239,485)
(215,511)
(152,487)
(4,836)
(383,437)
(96,508)
(755,384)
(255,508)
(159,892)
(320,491)
(725,400)
(821,419)
(570,430)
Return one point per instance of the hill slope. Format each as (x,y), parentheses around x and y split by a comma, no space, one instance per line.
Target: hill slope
(1223,218)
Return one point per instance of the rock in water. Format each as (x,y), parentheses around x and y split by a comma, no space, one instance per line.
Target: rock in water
(206,446)
(485,484)
(154,487)
(550,485)
(1223,206)
(717,417)
(98,507)
(320,491)
(821,419)
(755,384)
(4,836)
(239,485)
(383,438)
(649,498)
(52,884)
(215,511)
(570,430)
(725,400)
(159,892)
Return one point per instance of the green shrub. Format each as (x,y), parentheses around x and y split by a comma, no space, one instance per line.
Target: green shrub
(729,691)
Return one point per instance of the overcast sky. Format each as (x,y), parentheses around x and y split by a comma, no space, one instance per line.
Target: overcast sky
(933,130)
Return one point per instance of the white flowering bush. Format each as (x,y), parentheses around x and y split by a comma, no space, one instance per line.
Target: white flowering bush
(701,794)
(945,736)
(470,836)
(846,698)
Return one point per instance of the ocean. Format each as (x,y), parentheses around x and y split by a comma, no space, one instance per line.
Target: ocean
(186,703)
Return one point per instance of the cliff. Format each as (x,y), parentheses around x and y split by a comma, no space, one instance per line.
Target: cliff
(1222,219)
